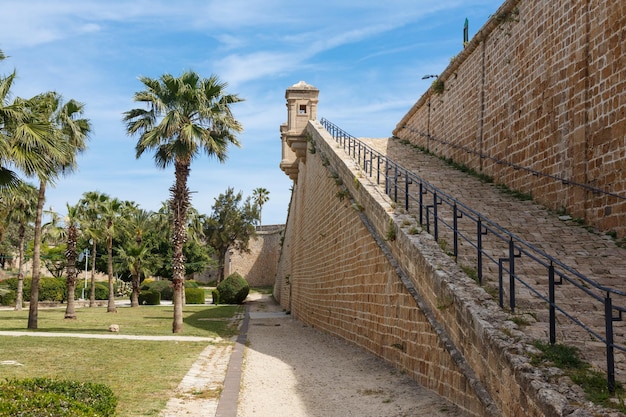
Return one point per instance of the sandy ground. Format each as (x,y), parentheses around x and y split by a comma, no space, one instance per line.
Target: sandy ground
(293,370)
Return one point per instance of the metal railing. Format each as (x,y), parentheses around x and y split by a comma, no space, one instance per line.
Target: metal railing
(522,268)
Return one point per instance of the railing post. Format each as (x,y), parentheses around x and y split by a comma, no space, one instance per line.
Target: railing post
(378,170)
(610,354)
(421,203)
(551,299)
(406,190)
(395,183)
(387,184)
(435,219)
(455,230)
(501,282)
(479,248)
(511,275)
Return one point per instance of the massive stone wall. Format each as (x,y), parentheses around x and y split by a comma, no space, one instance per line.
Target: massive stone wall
(537,101)
(400,298)
(258,266)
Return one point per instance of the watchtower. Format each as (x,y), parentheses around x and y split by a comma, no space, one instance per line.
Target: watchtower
(302,101)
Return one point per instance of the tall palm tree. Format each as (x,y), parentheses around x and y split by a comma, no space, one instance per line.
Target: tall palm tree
(56,148)
(10,114)
(20,204)
(260,196)
(135,256)
(185,117)
(91,224)
(71,229)
(111,211)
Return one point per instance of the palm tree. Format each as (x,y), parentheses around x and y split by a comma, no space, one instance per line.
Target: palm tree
(71,229)
(10,114)
(62,137)
(260,196)
(20,204)
(185,116)
(91,224)
(135,256)
(110,212)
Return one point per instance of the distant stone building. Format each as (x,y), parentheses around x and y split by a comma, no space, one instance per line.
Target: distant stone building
(259,266)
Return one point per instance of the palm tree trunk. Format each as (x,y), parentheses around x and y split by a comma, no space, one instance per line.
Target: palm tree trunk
(179,205)
(70,309)
(92,291)
(19,297)
(134,297)
(33,308)
(111,305)
(70,253)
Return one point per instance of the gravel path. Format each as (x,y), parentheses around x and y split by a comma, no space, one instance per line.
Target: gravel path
(293,370)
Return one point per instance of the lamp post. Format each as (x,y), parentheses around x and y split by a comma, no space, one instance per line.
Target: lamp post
(84,254)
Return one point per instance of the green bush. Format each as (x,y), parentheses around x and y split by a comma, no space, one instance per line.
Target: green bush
(49,397)
(7,297)
(50,289)
(215,294)
(164,287)
(194,295)
(149,297)
(102,290)
(233,290)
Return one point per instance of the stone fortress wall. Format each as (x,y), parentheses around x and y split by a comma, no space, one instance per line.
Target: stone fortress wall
(537,101)
(258,266)
(403,300)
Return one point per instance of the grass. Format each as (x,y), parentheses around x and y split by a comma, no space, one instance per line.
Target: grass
(142,374)
(205,321)
(593,383)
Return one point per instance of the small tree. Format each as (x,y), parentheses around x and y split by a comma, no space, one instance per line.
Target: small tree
(260,196)
(230,226)
(135,257)
(71,226)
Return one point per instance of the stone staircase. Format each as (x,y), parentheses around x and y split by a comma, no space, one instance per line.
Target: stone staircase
(592,254)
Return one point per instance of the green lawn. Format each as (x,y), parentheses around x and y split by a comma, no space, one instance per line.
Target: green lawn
(141,373)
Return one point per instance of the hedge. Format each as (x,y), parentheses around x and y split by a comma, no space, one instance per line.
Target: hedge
(49,397)
(232,290)
(164,287)
(50,289)
(194,295)
(150,297)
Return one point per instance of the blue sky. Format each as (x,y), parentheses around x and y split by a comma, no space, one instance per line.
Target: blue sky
(367,58)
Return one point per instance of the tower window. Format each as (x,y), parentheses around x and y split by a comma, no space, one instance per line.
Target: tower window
(302,109)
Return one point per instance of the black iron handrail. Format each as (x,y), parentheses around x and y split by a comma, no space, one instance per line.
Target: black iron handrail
(398,181)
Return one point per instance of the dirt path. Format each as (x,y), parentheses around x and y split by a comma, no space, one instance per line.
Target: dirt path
(293,370)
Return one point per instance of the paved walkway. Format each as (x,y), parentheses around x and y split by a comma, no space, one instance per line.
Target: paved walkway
(592,254)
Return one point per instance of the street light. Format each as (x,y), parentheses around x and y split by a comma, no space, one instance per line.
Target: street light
(84,254)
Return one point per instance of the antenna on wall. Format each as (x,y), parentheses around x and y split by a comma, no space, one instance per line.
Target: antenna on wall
(465,33)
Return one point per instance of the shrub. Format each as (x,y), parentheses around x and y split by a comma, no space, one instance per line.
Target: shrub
(194,295)
(233,290)
(150,297)
(50,289)
(102,290)
(7,297)
(164,287)
(49,397)
(215,295)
